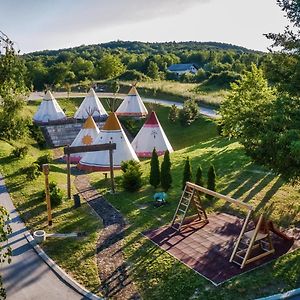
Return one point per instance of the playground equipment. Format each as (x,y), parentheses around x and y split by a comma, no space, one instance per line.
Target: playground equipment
(251,245)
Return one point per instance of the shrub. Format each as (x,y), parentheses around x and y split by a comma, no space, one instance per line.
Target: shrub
(133,75)
(32,172)
(132,177)
(126,164)
(37,135)
(56,194)
(211,181)
(173,113)
(154,179)
(132,125)
(189,113)
(222,80)
(166,177)
(19,152)
(187,172)
(44,159)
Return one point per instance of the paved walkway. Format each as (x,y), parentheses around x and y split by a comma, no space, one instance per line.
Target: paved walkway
(114,273)
(28,277)
(206,111)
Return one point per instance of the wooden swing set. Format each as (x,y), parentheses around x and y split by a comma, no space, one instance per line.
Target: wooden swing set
(250,246)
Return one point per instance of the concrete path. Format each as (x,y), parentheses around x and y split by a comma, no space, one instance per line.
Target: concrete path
(206,111)
(28,277)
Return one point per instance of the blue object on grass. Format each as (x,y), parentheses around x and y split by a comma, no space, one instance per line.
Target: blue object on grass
(160,196)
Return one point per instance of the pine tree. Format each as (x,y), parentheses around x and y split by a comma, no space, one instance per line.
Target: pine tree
(211,181)
(173,114)
(166,177)
(154,172)
(187,172)
(199,179)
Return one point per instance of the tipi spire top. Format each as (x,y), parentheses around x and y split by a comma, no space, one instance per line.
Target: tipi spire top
(89,123)
(48,96)
(112,123)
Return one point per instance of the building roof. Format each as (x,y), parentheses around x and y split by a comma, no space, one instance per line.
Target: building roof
(181,67)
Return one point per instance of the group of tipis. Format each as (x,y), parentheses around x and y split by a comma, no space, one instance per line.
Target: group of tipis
(150,136)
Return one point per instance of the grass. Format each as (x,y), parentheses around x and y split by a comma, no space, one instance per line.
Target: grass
(177,91)
(76,256)
(160,276)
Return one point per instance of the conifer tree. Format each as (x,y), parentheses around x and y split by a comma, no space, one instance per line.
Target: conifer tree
(154,171)
(199,179)
(187,172)
(166,177)
(211,181)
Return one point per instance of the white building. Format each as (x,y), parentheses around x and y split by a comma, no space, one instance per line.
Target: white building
(180,69)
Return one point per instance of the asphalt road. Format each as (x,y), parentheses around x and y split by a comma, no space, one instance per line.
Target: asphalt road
(209,112)
(27,277)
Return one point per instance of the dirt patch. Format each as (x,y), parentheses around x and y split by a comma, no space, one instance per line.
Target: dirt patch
(116,282)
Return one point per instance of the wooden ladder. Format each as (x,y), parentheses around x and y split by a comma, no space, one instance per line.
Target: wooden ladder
(189,195)
(248,241)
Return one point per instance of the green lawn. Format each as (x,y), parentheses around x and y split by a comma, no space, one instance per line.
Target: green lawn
(159,275)
(76,256)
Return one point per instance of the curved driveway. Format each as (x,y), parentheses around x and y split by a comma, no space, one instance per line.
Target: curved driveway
(27,277)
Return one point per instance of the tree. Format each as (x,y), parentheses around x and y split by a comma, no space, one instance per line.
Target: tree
(132,176)
(153,70)
(198,177)
(211,181)
(187,172)
(189,112)
(110,66)
(13,91)
(83,69)
(5,252)
(154,171)
(166,177)
(173,113)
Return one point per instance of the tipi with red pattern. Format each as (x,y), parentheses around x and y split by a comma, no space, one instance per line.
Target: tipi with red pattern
(151,136)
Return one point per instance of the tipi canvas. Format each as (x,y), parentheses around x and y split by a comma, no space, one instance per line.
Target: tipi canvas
(49,110)
(86,136)
(91,105)
(132,105)
(111,132)
(151,136)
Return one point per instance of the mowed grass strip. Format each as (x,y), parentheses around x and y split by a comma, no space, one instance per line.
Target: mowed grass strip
(159,275)
(75,256)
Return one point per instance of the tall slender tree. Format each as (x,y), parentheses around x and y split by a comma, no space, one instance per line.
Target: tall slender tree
(154,171)
(187,172)
(166,177)
(199,176)
(211,181)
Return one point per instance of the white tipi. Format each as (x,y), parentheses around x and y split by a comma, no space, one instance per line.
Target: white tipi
(86,136)
(49,110)
(91,105)
(151,136)
(132,105)
(111,132)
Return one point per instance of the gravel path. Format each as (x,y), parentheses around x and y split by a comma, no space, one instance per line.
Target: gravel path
(113,270)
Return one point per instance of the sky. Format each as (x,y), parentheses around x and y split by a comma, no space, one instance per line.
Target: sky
(55,24)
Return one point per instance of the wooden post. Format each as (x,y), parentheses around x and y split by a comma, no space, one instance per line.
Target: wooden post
(111,163)
(46,172)
(68,176)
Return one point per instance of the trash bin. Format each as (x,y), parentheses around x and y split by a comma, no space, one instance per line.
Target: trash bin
(39,236)
(76,198)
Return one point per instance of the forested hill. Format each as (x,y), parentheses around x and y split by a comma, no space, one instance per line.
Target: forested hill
(153,48)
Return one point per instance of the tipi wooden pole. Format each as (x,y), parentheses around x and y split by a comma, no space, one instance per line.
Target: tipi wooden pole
(68,176)
(47,191)
(111,163)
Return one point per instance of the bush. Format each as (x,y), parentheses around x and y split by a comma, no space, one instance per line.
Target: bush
(19,152)
(126,164)
(154,179)
(132,177)
(189,113)
(44,159)
(32,172)
(56,194)
(37,135)
(173,113)
(211,181)
(221,80)
(187,172)
(132,125)
(166,177)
